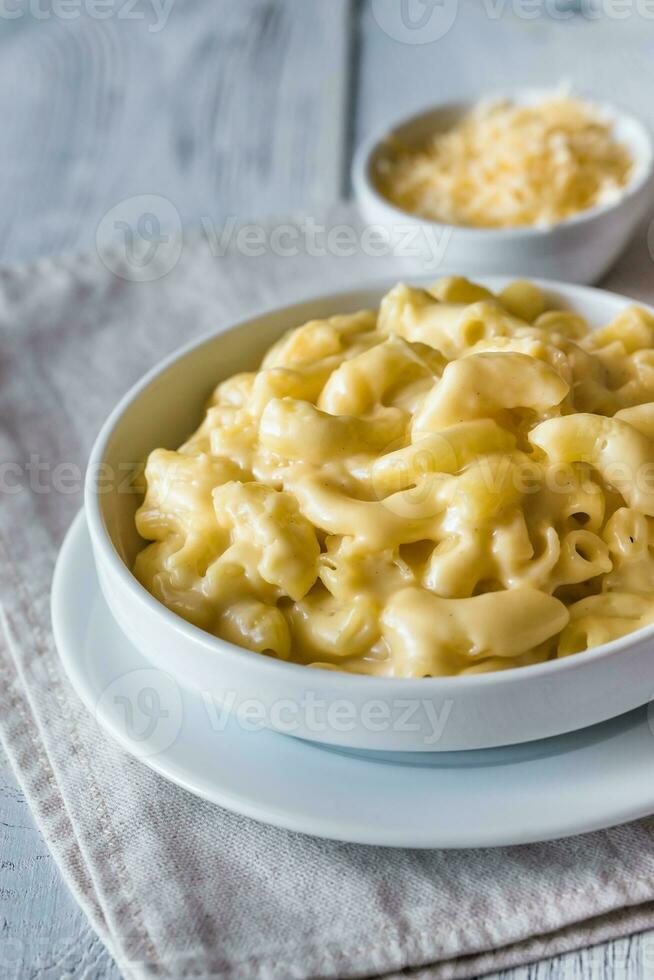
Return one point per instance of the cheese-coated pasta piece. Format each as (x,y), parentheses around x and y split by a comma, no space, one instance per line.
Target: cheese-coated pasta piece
(482,385)
(430,636)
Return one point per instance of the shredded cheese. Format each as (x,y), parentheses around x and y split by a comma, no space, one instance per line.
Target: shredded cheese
(505,165)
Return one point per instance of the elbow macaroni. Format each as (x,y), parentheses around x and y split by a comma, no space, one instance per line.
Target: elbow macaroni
(461,482)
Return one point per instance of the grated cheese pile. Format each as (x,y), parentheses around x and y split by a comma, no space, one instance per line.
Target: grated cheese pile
(505,165)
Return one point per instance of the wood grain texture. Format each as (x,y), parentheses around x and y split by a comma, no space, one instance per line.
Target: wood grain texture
(43,933)
(238,107)
(489,48)
(623,959)
(228,108)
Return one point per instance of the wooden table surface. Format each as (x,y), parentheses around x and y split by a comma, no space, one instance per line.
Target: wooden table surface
(248,108)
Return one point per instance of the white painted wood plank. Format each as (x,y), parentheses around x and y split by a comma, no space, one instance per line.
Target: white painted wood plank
(224,108)
(490,48)
(631,958)
(43,933)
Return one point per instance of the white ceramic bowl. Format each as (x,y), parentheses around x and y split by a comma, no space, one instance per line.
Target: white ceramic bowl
(430,714)
(580,249)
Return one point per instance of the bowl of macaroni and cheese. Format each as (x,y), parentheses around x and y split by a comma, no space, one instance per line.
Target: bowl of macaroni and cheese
(540,182)
(412,517)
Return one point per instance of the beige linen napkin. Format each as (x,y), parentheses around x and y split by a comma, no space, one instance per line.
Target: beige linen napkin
(174,886)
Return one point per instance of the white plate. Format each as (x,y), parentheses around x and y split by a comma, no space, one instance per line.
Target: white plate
(553,788)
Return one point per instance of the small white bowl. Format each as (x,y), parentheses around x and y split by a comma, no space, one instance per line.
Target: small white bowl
(429,714)
(580,249)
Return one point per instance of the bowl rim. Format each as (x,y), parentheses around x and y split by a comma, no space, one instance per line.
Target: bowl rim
(364,185)
(104,546)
